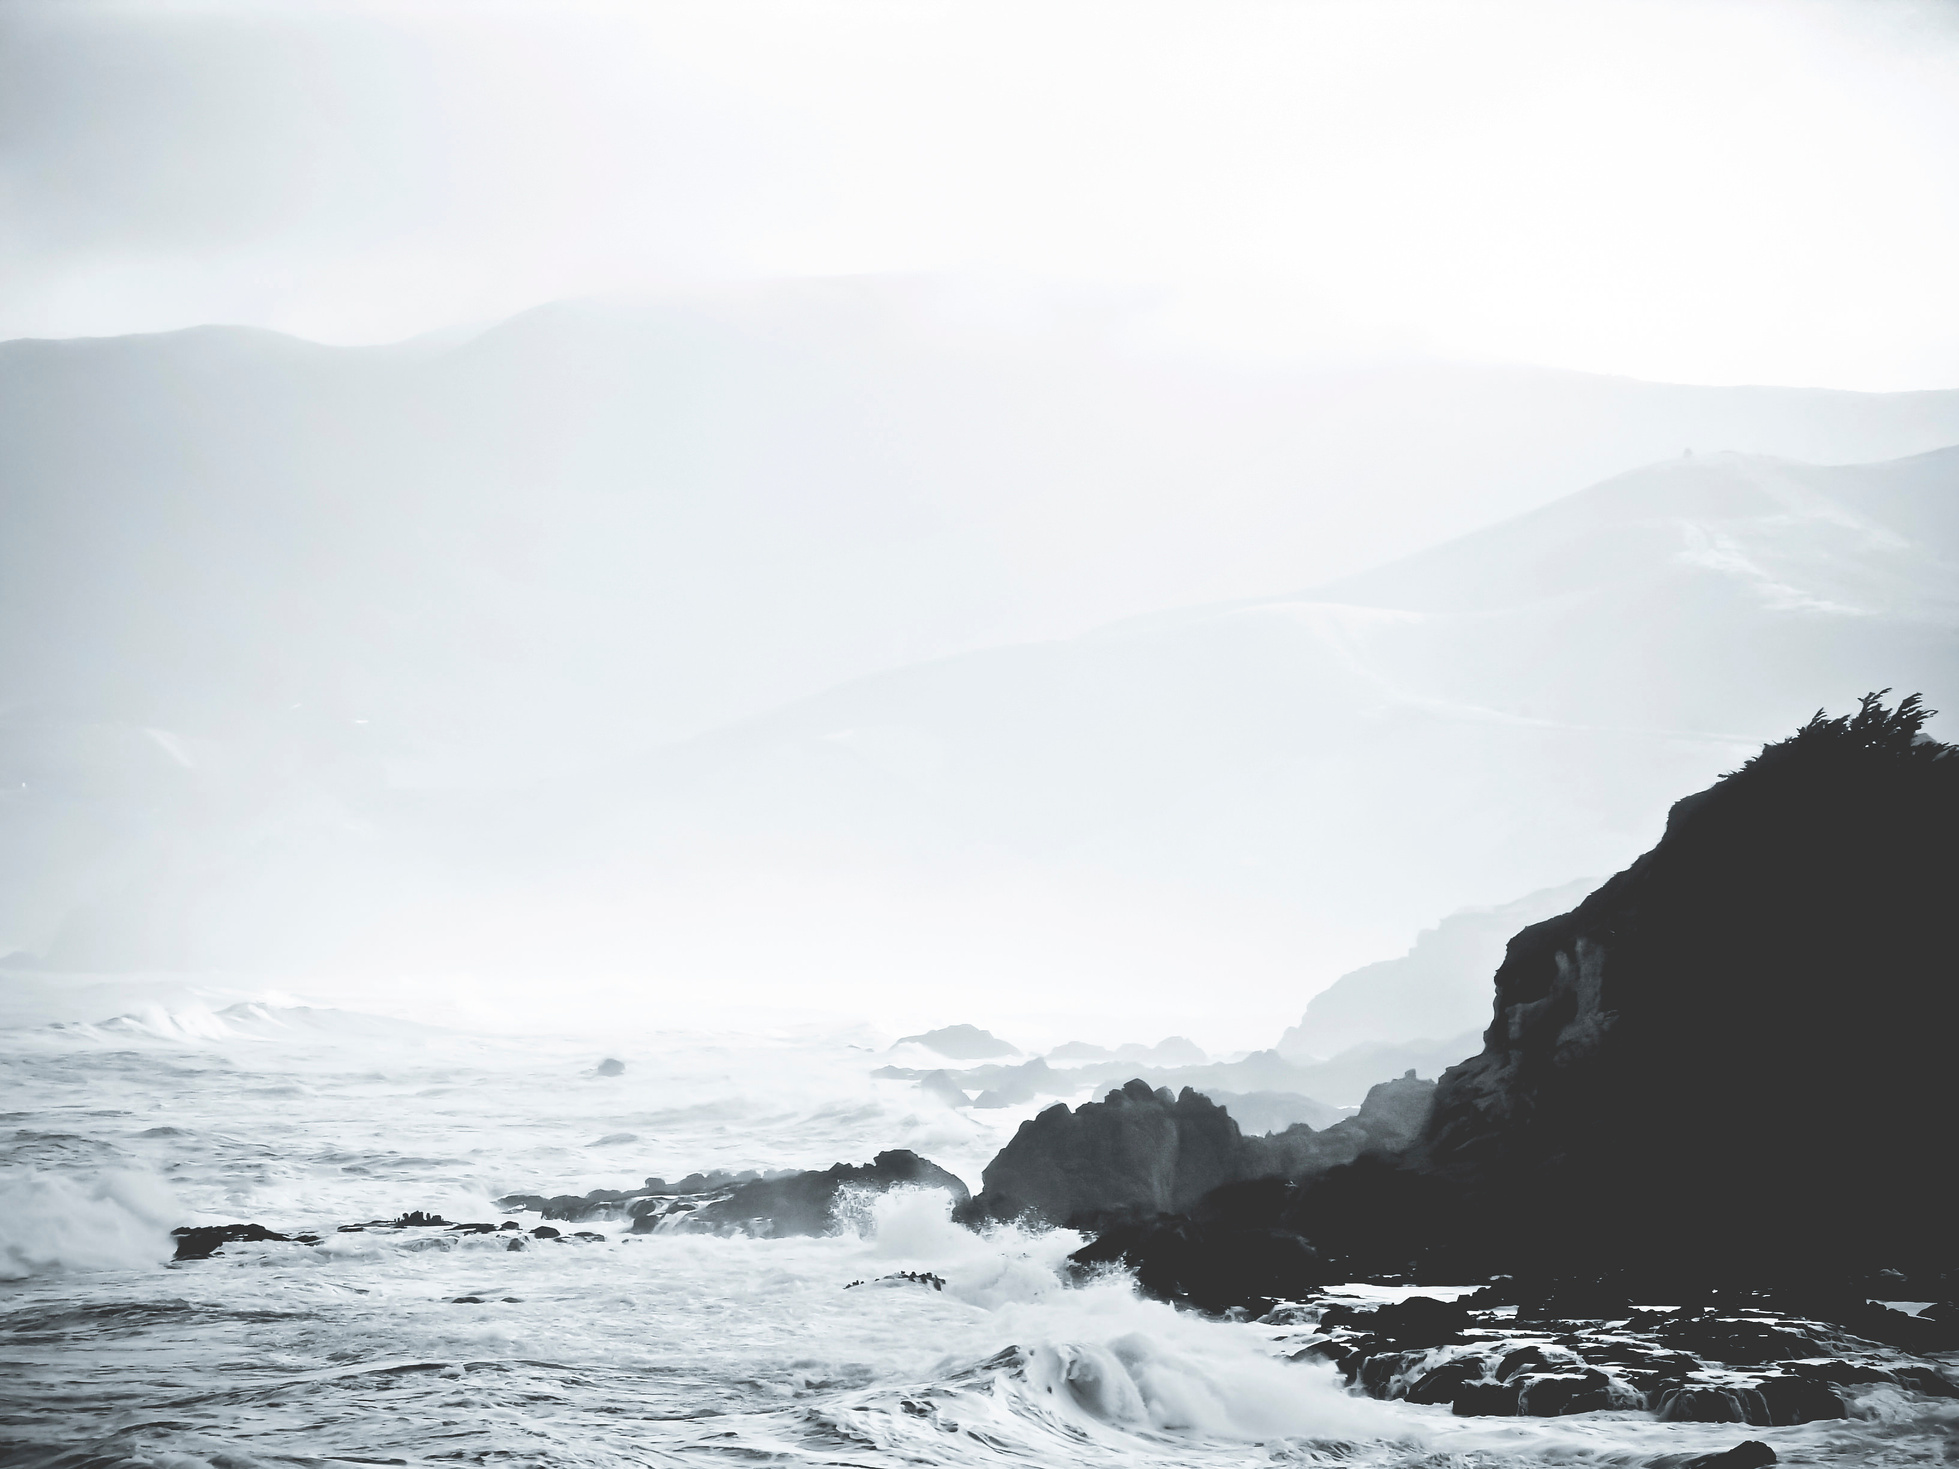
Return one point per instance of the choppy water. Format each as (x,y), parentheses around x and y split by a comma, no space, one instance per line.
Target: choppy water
(656,1350)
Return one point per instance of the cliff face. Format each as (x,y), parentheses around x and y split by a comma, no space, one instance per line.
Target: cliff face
(1736,1053)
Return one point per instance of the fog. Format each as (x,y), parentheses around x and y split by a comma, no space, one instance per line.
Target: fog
(933,512)
(1739,191)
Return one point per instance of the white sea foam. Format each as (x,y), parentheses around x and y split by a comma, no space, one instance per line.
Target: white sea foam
(112,1220)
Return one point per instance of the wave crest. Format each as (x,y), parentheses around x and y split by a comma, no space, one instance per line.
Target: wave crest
(109,1220)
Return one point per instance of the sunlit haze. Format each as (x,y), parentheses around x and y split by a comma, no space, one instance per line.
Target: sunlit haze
(1710,192)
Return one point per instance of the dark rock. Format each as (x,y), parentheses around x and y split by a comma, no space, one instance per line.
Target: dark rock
(1553,1395)
(1741,1342)
(416,1219)
(1213,1267)
(1787,1399)
(600,1203)
(1419,1321)
(473,1229)
(1134,1155)
(586,1234)
(544,1231)
(1750,1453)
(510,1224)
(1927,1380)
(1486,1399)
(805,1203)
(201,1243)
(1441,1384)
(1524,1359)
(610,1067)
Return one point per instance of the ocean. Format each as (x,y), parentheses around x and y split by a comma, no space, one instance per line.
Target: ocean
(422,1346)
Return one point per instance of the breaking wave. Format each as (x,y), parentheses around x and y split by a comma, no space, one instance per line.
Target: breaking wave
(112,1220)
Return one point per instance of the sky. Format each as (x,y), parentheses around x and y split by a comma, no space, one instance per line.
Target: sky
(1717,191)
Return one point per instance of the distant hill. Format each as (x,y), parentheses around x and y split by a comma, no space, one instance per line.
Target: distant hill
(962,1043)
(629,642)
(1244,802)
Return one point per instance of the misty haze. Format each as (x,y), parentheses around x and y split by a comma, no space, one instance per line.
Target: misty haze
(1085,735)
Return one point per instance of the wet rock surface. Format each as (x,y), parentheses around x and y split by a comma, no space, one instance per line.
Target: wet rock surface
(1702,1364)
(201,1242)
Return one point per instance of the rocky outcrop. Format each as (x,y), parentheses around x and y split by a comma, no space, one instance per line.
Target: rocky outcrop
(1140,1153)
(1135,1153)
(1511,1353)
(1729,1063)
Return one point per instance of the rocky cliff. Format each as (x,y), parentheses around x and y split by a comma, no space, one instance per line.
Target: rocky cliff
(1732,1060)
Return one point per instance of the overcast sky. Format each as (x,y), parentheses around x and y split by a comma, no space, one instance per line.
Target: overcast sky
(1710,191)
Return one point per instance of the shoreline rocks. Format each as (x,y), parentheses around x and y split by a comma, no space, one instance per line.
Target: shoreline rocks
(1701,1364)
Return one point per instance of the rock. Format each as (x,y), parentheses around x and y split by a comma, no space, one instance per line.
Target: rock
(609,1067)
(600,1203)
(1742,1342)
(1750,1453)
(416,1219)
(1482,1362)
(1486,1400)
(904,1277)
(201,1242)
(1419,1321)
(1553,1395)
(544,1231)
(1213,1267)
(1134,1155)
(1441,1385)
(805,1203)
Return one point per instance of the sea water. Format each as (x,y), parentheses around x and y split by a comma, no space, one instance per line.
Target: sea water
(428,1347)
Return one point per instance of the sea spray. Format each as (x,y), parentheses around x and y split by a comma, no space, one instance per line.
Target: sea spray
(116,1219)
